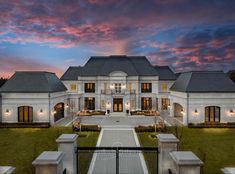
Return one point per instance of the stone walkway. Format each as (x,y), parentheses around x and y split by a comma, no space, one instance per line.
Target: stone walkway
(105,162)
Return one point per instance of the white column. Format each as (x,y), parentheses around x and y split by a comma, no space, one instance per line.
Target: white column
(185,163)
(49,162)
(67,143)
(166,144)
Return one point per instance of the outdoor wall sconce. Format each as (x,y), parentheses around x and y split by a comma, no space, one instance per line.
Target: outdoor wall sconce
(67,105)
(195,111)
(41,111)
(231,112)
(54,112)
(182,111)
(7,112)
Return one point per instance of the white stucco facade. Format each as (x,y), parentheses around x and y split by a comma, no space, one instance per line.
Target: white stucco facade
(42,104)
(194,105)
(130,93)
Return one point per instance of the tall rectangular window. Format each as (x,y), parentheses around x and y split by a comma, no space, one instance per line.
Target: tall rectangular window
(89,103)
(118,87)
(146,103)
(146,87)
(90,87)
(164,87)
(165,103)
(130,87)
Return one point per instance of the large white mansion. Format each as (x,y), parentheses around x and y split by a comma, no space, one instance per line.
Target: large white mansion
(118,84)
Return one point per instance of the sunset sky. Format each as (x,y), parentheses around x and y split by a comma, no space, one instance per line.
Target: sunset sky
(52,35)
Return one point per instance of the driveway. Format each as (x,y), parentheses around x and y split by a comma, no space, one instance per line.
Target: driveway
(129,162)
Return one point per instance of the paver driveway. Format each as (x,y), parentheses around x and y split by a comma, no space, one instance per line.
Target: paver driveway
(105,162)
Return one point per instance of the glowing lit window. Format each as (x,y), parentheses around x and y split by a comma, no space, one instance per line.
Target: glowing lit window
(73,87)
(164,87)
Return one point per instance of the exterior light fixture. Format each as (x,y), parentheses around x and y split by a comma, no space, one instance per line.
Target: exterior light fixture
(67,105)
(231,112)
(41,111)
(7,112)
(182,111)
(195,111)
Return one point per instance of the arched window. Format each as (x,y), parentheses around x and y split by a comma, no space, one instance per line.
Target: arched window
(178,110)
(212,114)
(25,114)
(59,111)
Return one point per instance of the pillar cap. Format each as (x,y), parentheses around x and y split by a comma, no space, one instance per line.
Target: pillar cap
(228,170)
(49,158)
(185,158)
(167,138)
(7,169)
(67,138)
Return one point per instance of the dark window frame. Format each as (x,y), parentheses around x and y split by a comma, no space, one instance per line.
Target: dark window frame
(89,104)
(144,105)
(208,114)
(89,87)
(29,111)
(146,87)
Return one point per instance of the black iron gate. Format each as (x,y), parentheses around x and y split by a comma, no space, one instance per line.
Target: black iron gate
(117,160)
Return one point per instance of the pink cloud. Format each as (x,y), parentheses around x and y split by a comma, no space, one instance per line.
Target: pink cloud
(11,64)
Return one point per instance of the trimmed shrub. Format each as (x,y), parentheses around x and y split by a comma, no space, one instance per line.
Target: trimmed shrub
(212,125)
(86,127)
(24,125)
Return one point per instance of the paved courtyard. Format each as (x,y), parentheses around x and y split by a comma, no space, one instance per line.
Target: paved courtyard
(120,121)
(105,161)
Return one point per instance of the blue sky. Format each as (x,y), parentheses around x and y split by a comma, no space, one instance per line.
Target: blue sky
(51,35)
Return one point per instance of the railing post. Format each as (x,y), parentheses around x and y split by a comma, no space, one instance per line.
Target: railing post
(185,162)
(49,162)
(67,143)
(166,144)
(117,161)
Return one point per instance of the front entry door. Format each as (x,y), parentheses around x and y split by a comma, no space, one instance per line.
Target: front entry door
(117,105)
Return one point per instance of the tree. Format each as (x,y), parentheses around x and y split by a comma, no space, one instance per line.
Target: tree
(231,75)
(2,81)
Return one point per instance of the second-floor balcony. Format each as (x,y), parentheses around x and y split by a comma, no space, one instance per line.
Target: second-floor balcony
(118,92)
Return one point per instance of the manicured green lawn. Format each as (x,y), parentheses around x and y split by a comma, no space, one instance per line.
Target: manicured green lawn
(216,147)
(19,147)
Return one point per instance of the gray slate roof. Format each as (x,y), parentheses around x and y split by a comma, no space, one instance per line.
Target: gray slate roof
(104,65)
(203,81)
(165,73)
(34,81)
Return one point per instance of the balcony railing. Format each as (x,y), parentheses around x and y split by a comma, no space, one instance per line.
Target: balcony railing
(121,92)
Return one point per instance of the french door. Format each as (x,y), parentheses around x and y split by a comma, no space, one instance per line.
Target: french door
(117,105)
(25,114)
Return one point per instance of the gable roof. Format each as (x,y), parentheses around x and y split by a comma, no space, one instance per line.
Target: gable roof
(33,81)
(203,81)
(165,73)
(104,65)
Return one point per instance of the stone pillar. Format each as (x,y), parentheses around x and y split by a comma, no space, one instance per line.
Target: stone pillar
(185,163)
(49,162)
(67,143)
(166,144)
(228,170)
(7,170)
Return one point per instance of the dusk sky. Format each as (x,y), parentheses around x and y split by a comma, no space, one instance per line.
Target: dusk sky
(52,35)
